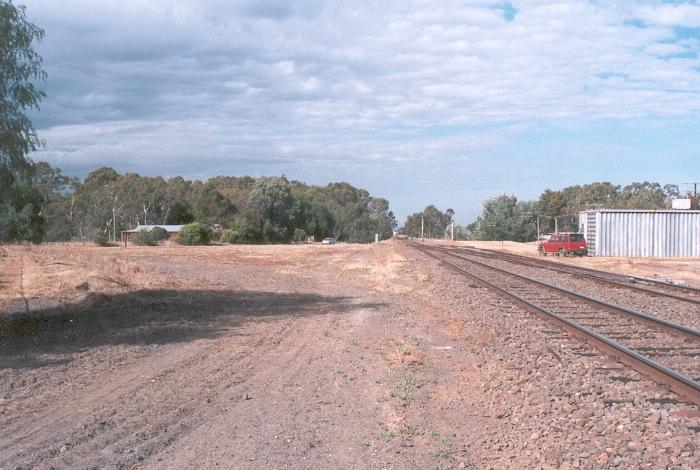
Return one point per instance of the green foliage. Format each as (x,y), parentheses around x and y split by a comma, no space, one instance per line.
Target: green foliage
(357,216)
(20,68)
(434,222)
(179,214)
(213,208)
(505,218)
(299,235)
(242,232)
(144,238)
(269,210)
(229,236)
(236,236)
(101,239)
(565,204)
(20,209)
(273,208)
(158,233)
(59,206)
(195,234)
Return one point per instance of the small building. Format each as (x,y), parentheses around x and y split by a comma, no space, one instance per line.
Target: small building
(170,230)
(641,233)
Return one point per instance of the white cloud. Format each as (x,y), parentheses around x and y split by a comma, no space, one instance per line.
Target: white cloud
(672,15)
(251,82)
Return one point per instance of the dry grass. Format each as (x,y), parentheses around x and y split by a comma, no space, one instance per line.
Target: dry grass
(60,273)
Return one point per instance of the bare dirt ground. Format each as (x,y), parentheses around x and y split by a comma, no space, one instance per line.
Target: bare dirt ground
(302,357)
(685,270)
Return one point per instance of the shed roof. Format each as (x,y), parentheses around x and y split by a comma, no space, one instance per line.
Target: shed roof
(647,211)
(168,228)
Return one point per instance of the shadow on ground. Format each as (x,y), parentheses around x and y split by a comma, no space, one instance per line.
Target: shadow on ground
(150,317)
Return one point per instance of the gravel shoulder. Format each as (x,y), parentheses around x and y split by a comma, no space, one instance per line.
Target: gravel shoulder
(304,357)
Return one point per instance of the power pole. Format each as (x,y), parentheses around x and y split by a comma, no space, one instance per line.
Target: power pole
(453,231)
(695,187)
(421,228)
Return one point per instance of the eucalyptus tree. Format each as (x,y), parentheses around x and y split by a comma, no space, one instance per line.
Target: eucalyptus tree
(21,68)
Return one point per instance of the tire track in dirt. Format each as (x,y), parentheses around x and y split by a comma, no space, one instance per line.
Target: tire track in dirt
(118,419)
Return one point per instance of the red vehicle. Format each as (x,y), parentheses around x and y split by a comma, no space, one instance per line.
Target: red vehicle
(564,244)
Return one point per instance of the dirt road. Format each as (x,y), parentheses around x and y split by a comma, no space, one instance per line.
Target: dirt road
(299,357)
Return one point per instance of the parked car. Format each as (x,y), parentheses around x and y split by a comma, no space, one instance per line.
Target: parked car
(328,241)
(564,244)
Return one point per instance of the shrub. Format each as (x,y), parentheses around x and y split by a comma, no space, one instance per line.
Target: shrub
(195,234)
(299,235)
(230,236)
(243,233)
(101,239)
(144,238)
(158,234)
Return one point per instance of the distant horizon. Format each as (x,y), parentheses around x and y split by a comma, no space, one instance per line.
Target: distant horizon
(441,103)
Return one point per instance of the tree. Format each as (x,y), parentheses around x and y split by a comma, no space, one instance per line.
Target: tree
(505,218)
(269,210)
(431,219)
(58,193)
(20,212)
(99,203)
(213,208)
(179,214)
(644,195)
(347,206)
(20,67)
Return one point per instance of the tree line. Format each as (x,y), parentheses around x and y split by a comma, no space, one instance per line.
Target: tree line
(504,217)
(258,210)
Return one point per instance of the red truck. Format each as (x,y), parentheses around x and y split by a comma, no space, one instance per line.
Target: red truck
(564,244)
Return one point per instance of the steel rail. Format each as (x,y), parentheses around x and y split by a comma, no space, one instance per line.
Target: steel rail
(679,383)
(672,327)
(592,271)
(586,272)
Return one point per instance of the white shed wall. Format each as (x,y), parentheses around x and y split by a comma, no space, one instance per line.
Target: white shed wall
(642,233)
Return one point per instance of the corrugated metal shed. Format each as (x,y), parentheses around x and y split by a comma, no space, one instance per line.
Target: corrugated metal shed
(669,233)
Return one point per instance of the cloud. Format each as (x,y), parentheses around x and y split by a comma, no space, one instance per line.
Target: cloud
(346,89)
(671,15)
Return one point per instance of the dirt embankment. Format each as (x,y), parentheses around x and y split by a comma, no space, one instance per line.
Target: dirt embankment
(302,357)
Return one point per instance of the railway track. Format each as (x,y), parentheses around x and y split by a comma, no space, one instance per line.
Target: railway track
(667,352)
(650,286)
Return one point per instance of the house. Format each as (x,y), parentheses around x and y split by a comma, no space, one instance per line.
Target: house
(170,230)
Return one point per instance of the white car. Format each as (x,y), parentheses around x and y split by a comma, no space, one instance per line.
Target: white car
(328,241)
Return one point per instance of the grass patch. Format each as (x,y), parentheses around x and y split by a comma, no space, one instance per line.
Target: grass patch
(404,389)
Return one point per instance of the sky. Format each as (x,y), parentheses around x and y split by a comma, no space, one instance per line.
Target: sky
(445,103)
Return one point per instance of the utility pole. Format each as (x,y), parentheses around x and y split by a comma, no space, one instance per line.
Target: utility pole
(453,231)
(421,228)
(695,187)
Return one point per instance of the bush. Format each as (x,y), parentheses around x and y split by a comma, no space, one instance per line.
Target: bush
(230,236)
(299,235)
(101,239)
(195,234)
(158,234)
(144,238)
(242,233)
